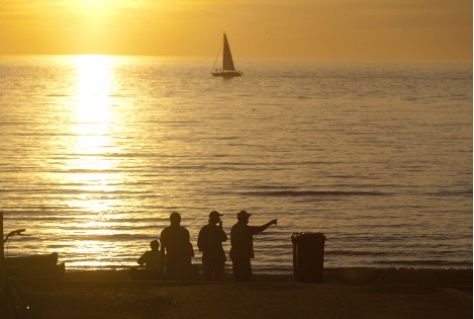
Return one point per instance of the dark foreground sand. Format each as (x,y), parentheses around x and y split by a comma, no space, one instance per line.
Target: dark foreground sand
(345,293)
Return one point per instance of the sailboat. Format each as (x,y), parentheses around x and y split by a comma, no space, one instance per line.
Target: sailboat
(228,68)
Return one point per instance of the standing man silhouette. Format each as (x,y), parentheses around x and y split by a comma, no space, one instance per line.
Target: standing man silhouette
(241,241)
(210,241)
(176,249)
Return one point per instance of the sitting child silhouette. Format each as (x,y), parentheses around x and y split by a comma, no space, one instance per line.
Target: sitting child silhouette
(152,261)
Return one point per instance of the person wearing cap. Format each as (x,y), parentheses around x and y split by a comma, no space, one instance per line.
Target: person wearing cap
(210,239)
(176,249)
(241,241)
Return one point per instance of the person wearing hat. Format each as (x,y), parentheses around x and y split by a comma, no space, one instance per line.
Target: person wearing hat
(175,242)
(210,239)
(241,241)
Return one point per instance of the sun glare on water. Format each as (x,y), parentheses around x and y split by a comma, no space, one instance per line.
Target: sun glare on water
(89,165)
(90,126)
(93,86)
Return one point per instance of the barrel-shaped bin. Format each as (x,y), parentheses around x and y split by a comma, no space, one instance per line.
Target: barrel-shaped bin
(308,257)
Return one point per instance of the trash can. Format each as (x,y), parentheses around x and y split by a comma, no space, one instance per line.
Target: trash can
(308,257)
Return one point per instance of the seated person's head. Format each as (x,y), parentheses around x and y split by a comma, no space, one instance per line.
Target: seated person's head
(154,244)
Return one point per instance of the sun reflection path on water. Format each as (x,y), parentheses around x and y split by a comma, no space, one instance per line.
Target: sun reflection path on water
(89,168)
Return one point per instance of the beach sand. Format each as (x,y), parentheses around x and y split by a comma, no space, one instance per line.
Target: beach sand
(345,293)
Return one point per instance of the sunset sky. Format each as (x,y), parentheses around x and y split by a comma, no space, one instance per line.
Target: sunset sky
(320,29)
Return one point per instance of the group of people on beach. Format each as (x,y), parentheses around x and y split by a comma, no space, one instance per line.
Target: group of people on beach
(173,259)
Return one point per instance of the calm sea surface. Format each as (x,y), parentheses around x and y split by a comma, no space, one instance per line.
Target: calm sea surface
(96,152)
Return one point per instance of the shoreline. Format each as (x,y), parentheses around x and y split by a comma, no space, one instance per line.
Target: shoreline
(443,277)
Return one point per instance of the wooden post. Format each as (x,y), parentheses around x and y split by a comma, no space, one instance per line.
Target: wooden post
(3,267)
(2,251)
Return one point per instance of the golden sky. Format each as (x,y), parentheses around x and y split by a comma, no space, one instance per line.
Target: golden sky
(320,29)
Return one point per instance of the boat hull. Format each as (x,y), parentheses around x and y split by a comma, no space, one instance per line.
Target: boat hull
(227,74)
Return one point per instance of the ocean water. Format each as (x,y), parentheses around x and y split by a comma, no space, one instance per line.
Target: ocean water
(97,151)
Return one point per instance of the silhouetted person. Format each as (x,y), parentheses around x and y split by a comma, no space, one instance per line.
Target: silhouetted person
(152,258)
(152,261)
(241,241)
(176,249)
(210,241)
